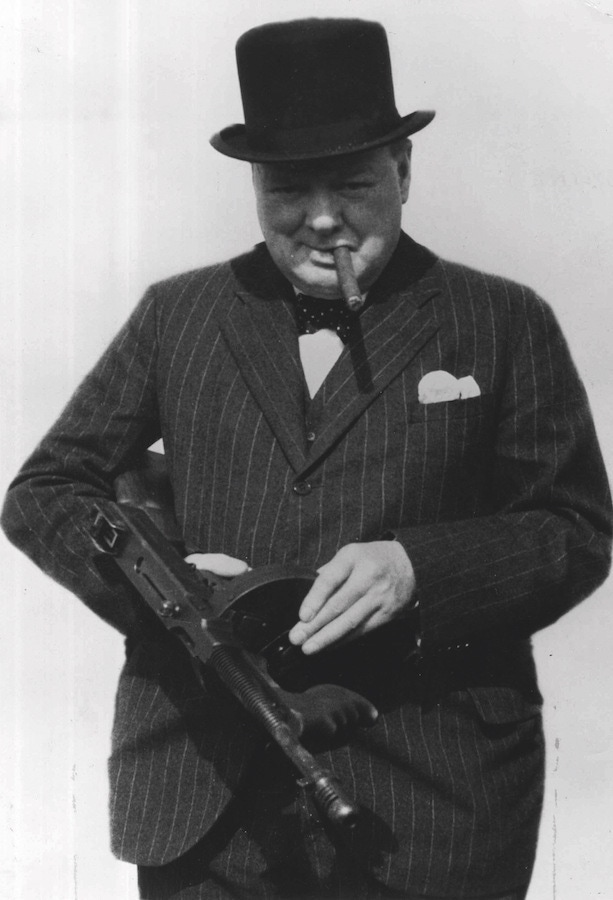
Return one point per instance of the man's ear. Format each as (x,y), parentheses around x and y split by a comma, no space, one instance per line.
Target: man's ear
(404,174)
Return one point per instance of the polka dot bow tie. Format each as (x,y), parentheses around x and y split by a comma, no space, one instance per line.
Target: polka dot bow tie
(313,314)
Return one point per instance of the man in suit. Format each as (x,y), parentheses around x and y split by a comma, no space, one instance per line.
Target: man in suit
(432,456)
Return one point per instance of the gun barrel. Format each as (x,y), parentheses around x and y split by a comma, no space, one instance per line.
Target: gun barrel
(250,688)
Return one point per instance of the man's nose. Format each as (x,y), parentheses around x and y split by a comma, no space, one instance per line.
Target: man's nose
(323,212)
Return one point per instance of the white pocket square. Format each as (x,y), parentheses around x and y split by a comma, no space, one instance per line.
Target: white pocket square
(436,387)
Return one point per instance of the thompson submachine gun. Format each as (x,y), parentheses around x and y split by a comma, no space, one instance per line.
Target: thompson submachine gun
(238,627)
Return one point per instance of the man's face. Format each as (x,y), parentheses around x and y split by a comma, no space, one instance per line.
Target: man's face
(308,209)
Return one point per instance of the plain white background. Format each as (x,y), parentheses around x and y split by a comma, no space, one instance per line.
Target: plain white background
(108,183)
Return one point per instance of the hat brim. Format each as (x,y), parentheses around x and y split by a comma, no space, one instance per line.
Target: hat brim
(233,141)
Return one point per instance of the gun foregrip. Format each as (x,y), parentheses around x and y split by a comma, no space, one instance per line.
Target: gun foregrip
(249,686)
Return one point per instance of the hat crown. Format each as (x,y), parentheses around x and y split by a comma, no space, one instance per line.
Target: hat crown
(314,88)
(315,74)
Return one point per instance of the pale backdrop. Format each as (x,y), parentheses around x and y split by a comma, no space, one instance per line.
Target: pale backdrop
(108,183)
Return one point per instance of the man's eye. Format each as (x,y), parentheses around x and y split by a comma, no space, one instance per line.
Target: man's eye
(356,185)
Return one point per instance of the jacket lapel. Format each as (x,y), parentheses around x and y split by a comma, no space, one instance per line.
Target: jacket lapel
(394,328)
(261,334)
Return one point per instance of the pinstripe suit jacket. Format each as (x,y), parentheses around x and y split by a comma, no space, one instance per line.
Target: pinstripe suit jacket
(500,500)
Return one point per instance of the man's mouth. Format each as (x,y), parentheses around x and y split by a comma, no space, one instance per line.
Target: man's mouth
(322,256)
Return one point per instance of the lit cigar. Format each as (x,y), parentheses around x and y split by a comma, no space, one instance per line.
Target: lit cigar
(347,279)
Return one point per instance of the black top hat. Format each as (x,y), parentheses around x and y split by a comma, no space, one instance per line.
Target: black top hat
(314,88)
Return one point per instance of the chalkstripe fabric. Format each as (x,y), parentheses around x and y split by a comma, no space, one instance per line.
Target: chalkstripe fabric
(500,501)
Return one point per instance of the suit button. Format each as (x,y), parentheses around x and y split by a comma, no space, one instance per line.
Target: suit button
(310,436)
(302,488)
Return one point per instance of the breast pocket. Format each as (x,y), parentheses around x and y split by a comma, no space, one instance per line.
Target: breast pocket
(451,410)
(452,449)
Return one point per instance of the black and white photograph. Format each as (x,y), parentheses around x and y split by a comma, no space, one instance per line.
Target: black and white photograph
(306,441)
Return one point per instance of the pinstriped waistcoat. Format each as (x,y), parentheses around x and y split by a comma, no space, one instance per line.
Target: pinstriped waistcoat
(500,501)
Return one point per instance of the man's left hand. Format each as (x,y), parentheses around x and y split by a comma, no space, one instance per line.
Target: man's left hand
(363,587)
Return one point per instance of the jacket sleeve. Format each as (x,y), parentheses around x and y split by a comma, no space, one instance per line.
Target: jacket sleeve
(109,422)
(546,546)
